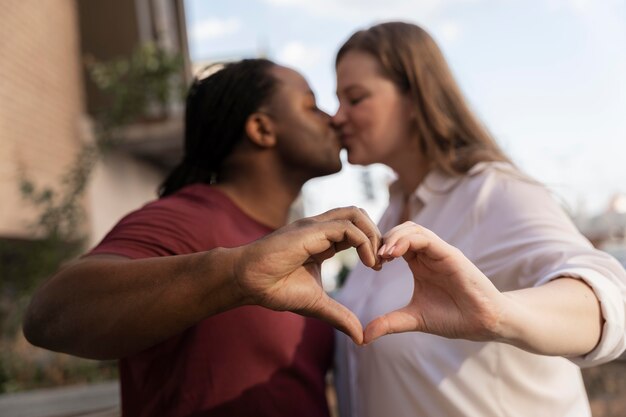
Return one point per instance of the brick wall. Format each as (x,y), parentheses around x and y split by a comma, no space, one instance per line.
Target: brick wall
(41,99)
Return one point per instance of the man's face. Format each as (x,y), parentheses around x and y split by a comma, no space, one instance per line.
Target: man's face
(306,140)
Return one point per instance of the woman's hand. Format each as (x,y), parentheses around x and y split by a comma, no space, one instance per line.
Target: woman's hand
(451,296)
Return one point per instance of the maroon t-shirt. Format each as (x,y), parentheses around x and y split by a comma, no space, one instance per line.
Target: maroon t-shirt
(249,361)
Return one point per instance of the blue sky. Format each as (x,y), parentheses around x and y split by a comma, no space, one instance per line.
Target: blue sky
(548,77)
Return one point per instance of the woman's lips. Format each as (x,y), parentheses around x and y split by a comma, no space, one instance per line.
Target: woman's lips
(345,139)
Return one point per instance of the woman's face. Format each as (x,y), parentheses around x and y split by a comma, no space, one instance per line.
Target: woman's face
(374,117)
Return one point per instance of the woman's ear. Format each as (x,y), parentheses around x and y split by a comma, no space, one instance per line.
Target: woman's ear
(260,130)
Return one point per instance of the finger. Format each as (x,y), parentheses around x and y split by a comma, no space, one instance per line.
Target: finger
(359,218)
(305,238)
(391,238)
(345,234)
(365,223)
(398,321)
(340,317)
(415,238)
(337,235)
(400,227)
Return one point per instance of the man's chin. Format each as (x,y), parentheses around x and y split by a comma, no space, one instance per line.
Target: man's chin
(331,169)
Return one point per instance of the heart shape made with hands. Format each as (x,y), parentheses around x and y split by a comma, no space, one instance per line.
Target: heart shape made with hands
(451,297)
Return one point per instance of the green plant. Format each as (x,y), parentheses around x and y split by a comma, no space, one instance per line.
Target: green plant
(141,85)
(135,86)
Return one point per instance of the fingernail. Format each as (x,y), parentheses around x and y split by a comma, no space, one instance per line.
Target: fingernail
(381,251)
(391,249)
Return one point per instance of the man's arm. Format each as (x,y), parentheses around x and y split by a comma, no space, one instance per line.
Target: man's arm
(105,307)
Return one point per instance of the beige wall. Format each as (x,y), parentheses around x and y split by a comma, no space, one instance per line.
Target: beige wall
(41,99)
(119,184)
(43,121)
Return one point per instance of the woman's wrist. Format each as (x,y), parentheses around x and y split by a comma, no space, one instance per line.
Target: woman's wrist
(514,318)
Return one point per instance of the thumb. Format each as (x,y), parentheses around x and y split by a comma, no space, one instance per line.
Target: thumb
(340,317)
(397,321)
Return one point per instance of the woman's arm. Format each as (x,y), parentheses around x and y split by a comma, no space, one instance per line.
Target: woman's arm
(453,298)
(561,317)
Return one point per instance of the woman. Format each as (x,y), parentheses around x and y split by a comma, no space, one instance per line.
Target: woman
(503,286)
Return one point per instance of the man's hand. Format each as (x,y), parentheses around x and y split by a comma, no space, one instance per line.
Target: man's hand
(282,270)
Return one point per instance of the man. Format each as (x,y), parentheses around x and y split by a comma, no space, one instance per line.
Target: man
(174,289)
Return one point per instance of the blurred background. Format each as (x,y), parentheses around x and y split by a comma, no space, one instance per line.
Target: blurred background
(91,104)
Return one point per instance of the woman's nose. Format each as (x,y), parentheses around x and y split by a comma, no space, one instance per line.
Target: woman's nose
(339,118)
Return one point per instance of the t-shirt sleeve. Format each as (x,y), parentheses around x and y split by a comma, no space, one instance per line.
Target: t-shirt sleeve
(157,229)
(540,243)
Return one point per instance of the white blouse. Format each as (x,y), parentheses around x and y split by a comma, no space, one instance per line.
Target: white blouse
(511,228)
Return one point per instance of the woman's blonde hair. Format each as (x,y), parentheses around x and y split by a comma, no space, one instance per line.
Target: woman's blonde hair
(450,136)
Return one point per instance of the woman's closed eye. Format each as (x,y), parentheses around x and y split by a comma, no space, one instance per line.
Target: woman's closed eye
(356,99)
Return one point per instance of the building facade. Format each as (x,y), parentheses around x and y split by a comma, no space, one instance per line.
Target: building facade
(48,103)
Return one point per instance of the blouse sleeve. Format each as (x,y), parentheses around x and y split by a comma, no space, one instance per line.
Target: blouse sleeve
(537,242)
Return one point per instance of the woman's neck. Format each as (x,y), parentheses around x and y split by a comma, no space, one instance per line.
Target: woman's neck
(411,168)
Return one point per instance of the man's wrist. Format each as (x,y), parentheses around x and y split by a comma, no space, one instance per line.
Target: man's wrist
(223,268)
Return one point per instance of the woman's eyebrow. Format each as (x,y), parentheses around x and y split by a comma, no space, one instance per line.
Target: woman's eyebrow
(349,88)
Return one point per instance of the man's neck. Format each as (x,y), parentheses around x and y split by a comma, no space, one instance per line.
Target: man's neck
(262,196)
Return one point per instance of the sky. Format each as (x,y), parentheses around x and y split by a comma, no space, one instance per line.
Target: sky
(547,77)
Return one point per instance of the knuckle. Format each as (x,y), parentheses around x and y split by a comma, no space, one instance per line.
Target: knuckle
(418,228)
(456,251)
(341,223)
(346,223)
(335,212)
(410,226)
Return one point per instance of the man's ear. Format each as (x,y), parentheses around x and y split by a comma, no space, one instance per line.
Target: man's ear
(260,130)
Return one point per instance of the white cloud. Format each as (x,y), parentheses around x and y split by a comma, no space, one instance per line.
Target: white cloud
(213,28)
(299,55)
